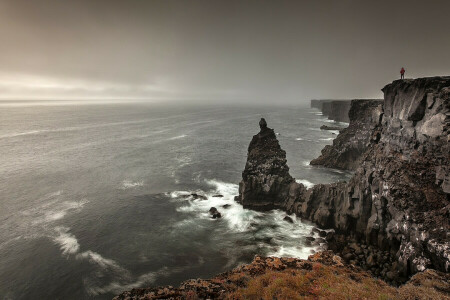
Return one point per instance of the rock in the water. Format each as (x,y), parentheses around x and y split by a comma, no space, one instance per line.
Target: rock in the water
(218,196)
(266,182)
(288,219)
(197,196)
(215,214)
(226,205)
(326,127)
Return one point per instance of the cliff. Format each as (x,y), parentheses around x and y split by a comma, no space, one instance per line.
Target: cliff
(352,142)
(322,276)
(396,208)
(336,110)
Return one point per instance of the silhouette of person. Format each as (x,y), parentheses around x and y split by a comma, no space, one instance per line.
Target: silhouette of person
(402,73)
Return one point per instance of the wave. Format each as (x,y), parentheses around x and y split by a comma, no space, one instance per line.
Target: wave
(67,241)
(327,139)
(299,139)
(53,208)
(177,137)
(128,184)
(262,226)
(305,182)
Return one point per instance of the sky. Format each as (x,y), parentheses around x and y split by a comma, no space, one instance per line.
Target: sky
(217,51)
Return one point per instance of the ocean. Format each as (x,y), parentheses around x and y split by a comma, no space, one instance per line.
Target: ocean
(96,198)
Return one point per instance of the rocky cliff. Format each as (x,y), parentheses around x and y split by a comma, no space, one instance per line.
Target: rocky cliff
(352,142)
(397,204)
(336,110)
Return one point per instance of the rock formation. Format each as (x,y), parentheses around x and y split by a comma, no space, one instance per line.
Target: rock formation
(266,182)
(398,200)
(348,148)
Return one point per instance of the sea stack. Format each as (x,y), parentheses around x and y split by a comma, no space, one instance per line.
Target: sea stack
(266,183)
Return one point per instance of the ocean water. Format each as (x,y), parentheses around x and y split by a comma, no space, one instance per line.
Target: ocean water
(95,199)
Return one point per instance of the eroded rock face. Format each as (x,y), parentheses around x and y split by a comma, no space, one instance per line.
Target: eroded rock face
(398,199)
(266,182)
(352,142)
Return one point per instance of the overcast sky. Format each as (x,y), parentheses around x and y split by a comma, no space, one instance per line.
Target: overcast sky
(259,51)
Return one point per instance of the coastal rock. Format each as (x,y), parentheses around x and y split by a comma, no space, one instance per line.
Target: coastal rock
(398,199)
(397,202)
(352,142)
(325,127)
(215,214)
(266,183)
(288,219)
(196,196)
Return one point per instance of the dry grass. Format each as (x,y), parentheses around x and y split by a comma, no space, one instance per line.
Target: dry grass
(326,282)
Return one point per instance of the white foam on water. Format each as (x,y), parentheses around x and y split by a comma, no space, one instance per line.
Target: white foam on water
(327,139)
(299,139)
(52,209)
(177,137)
(261,225)
(306,163)
(305,182)
(336,132)
(128,184)
(67,242)
(125,284)
(11,135)
(96,258)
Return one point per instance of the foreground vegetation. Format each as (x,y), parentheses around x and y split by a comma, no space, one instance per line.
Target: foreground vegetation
(322,276)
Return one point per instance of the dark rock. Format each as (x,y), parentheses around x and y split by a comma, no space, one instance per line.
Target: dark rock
(217,215)
(218,196)
(352,142)
(197,196)
(266,183)
(213,210)
(325,127)
(288,219)
(226,205)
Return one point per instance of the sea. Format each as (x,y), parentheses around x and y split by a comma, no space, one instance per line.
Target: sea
(95,198)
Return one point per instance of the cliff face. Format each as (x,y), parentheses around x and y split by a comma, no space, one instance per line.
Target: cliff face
(336,110)
(351,143)
(398,200)
(339,111)
(266,182)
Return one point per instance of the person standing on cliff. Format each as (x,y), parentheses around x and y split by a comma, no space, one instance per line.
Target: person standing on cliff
(402,73)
